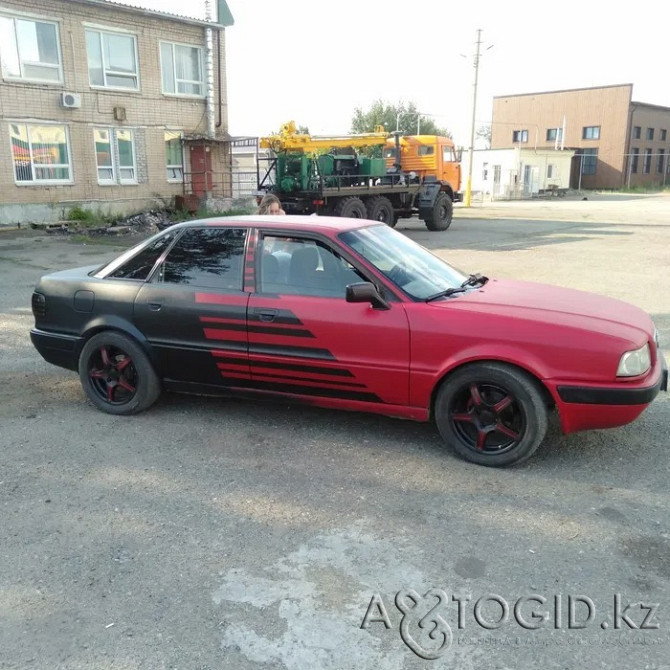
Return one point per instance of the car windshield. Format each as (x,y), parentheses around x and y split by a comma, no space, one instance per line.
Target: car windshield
(407,264)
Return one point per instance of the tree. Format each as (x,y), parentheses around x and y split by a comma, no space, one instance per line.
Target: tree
(385,114)
(484,133)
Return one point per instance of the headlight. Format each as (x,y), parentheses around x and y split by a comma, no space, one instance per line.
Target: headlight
(635,362)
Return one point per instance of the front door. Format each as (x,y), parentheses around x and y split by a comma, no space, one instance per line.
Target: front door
(201,169)
(306,339)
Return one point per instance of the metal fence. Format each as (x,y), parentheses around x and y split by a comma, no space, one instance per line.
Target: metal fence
(244,183)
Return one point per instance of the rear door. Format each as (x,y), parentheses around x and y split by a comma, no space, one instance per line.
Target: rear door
(193,309)
(306,339)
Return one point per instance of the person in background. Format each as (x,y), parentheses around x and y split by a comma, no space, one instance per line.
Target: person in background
(270,204)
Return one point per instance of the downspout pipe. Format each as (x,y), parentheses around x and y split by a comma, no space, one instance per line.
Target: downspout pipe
(218,78)
(209,64)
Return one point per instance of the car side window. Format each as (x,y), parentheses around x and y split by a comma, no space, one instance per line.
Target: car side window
(299,266)
(206,257)
(140,265)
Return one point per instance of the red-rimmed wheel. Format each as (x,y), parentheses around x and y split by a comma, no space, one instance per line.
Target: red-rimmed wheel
(117,375)
(491,414)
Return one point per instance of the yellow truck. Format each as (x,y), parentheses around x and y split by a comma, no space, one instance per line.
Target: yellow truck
(380,176)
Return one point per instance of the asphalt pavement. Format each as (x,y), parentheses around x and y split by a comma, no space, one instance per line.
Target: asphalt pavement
(209,534)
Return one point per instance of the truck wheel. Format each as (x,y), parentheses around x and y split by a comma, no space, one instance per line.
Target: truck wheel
(350,207)
(380,208)
(439,216)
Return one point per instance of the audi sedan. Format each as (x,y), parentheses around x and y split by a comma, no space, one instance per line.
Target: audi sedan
(348,314)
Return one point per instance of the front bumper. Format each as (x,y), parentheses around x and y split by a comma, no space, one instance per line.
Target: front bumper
(639,395)
(591,407)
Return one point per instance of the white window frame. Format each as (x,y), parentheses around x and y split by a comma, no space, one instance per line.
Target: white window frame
(22,62)
(101,32)
(177,81)
(116,168)
(33,165)
(168,166)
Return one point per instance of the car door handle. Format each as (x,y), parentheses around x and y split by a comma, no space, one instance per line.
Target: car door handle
(154,306)
(266,314)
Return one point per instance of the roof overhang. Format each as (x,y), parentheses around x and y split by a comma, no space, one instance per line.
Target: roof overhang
(225,18)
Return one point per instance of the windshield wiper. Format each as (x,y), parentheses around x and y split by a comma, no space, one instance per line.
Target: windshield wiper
(472,280)
(475,279)
(446,293)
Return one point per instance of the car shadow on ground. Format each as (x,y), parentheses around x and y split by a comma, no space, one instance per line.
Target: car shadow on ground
(372,432)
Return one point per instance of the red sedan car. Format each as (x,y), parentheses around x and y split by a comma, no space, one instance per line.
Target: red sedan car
(348,314)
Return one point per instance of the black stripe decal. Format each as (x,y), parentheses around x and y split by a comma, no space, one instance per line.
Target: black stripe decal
(309,379)
(265,330)
(296,367)
(282,316)
(282,350)
(308,390)
(270,330)
(207,346)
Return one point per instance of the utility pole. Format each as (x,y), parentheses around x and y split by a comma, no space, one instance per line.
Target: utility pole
(468,188)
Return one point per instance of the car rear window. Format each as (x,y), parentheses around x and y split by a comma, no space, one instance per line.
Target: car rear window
(140,265)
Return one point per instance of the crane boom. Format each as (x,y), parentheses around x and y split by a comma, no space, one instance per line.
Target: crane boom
(288,139)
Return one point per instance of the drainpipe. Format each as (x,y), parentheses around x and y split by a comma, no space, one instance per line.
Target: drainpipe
(219,91)
(209,61)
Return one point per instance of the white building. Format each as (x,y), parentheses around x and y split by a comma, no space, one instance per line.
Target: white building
(250,164)
(501,174)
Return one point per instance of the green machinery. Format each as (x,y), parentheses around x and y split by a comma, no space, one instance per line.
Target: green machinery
(301,171)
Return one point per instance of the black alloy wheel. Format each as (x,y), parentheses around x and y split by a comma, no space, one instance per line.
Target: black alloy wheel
(491,414)
(117,375)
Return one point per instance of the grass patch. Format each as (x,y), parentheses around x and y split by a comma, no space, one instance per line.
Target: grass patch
(85,218)
(642,189)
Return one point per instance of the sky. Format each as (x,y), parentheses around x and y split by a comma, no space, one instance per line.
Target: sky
(315,62)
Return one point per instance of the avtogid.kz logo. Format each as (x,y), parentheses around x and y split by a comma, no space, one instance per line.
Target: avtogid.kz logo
(425,628)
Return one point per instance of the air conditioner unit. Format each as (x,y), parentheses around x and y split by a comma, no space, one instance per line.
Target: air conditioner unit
(70,100)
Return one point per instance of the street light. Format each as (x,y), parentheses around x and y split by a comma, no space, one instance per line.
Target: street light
(468,188)
(418,120)
(399,114)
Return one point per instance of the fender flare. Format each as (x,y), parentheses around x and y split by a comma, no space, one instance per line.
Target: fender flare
(533,368)
(119,324)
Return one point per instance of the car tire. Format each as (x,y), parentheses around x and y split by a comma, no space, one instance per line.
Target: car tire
(491,414)
(350,207)
(116,374)
(440,214)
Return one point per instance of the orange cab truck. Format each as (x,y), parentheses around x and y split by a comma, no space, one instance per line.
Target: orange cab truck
(380,176)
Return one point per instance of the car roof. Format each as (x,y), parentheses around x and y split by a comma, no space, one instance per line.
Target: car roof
(304,223)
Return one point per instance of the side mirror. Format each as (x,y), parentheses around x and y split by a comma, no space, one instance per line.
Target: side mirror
(366,291)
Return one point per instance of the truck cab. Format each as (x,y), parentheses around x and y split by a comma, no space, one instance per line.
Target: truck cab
(428,156)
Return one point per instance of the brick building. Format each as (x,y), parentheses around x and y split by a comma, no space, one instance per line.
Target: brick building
(108,107)
(617,142)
